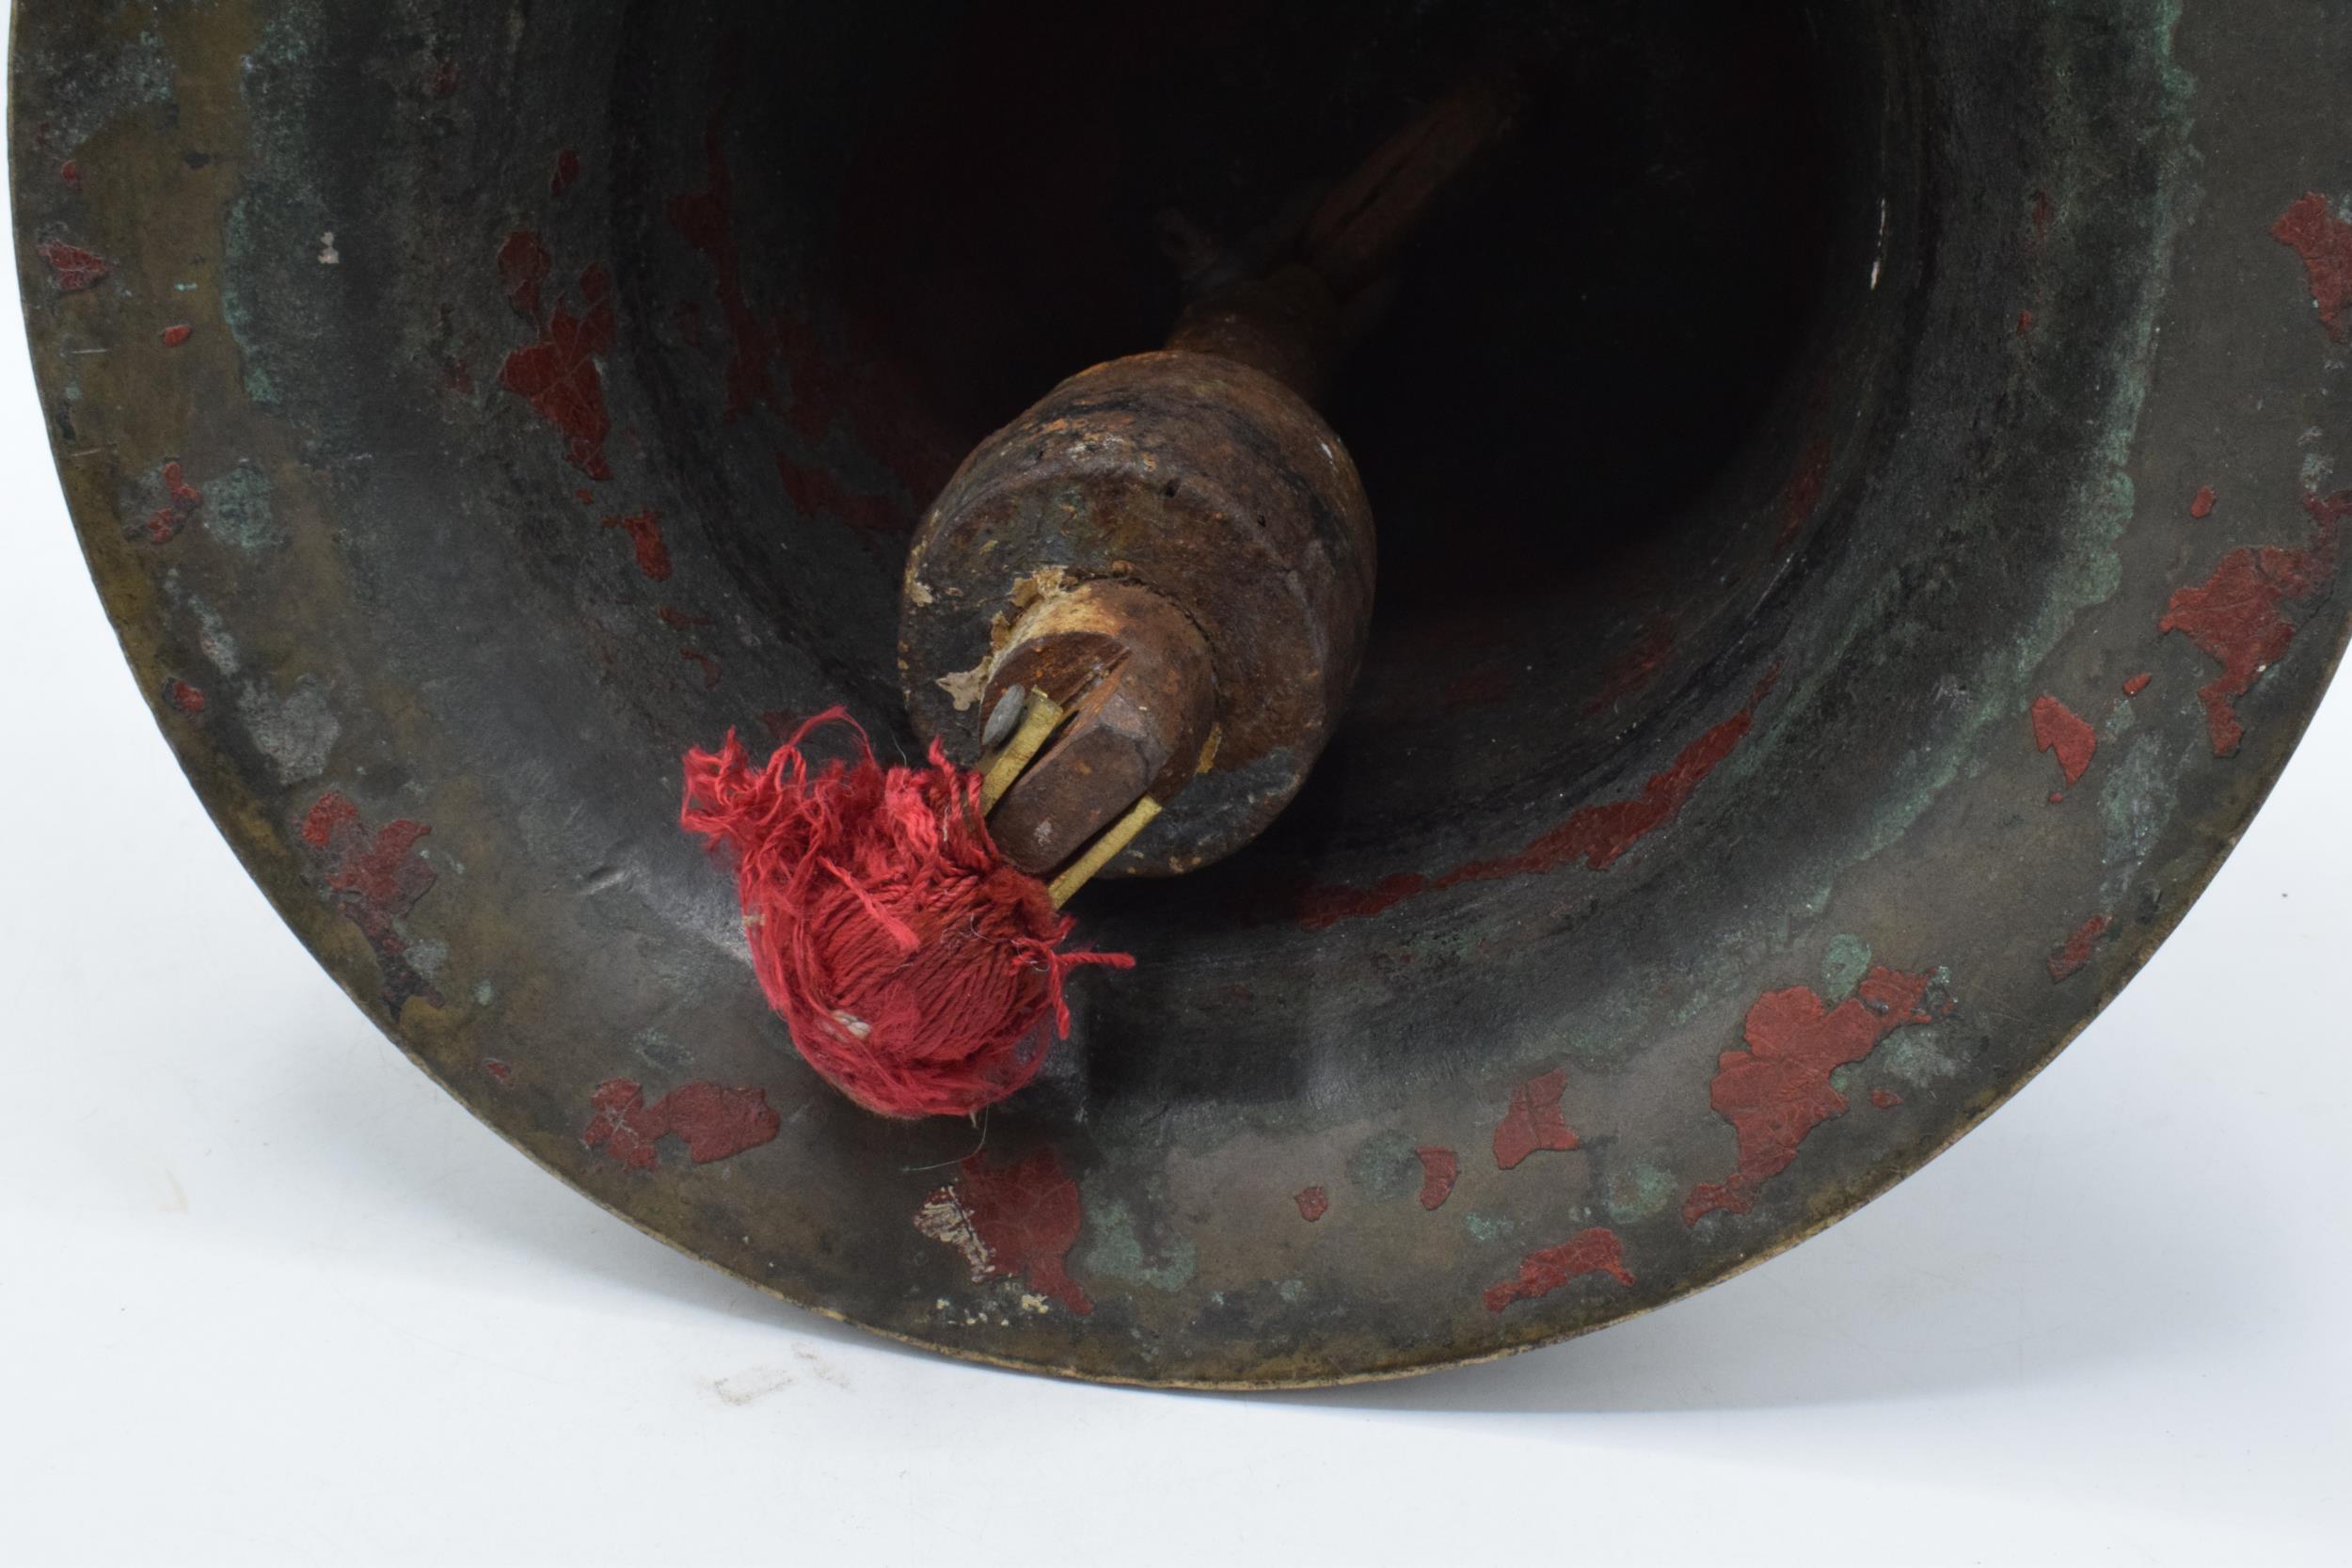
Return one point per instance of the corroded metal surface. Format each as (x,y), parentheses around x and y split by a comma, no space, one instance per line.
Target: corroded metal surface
(1204,481)
(1137,672)
(465,409)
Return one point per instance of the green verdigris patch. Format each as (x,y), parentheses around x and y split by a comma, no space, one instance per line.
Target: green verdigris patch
(2086,569)
(1112,1248)
(2133,806)
(1842,969)
(237,509)
(238,257)
(1919,1056)
(93,90)
(1638,1192)
(297,730)
(1383,1165)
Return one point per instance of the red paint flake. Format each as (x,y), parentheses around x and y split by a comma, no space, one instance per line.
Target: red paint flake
(708,666)
(1885,1099)
(181,499)
(70,172)
(678,620)
(1438,1167)
(2324,241)
(523,265)
(714,1123)
(1321,908)
(1777,1090)
(441,80)
(1313,1203)
(385,872)
(184,697)
(1018,1219)
(1636,665)
(186,496)
(1802,496)
(644,533)
(75,268)
(374,880)
(329,818)
(499,1072)
(2138,684)
(2060,729)
(2057,797)
(822,386)
(2024,323)
(2202,504)
(814,490)
(566,171)
(1593,1251)
(1533,1120)
(2233,617)
(706,219)
(717,1123)
(175,336)
(782,725)
(2074,952)
(558,375)
(1597,835)
(2040,216)
(584,496)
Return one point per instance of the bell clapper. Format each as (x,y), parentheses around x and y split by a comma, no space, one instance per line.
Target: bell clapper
(1170,557)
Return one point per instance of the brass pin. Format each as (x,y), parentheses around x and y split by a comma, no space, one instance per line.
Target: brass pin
(1099,854)
(1039,719)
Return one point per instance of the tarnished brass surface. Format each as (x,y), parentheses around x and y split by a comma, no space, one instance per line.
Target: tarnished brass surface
(1861,529)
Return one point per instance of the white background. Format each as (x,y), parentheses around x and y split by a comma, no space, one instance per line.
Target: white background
(267,1296)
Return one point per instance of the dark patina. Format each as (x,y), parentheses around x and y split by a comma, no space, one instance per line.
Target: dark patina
(1860,531)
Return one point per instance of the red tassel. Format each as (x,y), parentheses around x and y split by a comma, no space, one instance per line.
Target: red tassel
(914,965)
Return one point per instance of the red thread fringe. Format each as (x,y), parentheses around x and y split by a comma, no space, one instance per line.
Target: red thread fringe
(913,962)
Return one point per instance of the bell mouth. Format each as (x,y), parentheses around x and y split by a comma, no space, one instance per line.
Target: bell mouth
(1597,410)
(1781,724)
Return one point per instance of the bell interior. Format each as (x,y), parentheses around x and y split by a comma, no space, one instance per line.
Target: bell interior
(1604,408)
(1797,401)
(1612,411)
(1582,405)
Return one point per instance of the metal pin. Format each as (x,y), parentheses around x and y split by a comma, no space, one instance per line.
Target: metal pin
(1099,854)
(1002,717)
(1038,720)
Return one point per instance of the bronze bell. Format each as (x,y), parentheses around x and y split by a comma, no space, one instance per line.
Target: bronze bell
(1849,562)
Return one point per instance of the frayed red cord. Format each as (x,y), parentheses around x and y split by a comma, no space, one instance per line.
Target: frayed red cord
(913,964)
